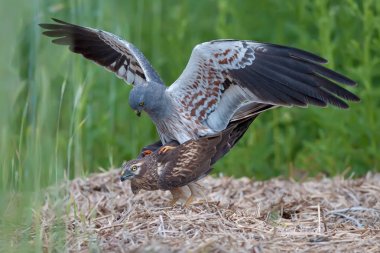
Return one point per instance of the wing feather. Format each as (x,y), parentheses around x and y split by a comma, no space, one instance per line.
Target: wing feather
(105,49)
(187,163)
(230,73)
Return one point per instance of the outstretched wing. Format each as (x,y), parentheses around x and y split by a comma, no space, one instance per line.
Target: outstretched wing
(188,162)
(223,75)
(104,48)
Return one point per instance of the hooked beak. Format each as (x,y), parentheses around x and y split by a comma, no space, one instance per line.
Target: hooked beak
(138,113)
(126,175)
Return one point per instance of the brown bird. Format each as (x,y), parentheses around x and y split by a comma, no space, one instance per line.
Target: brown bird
(182,165)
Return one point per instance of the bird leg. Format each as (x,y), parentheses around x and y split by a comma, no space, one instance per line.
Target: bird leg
(196,191)
(177,194)
(165,149)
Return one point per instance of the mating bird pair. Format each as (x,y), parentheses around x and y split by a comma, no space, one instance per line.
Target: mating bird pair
(224,87)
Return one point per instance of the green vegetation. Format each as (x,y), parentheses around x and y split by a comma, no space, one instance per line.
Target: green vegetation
(62,116)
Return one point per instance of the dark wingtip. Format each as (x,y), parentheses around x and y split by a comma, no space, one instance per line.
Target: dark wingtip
(49,26)
(345,80)
(354,98)
(306,55)
(59,21)
(351,82)
(44,25)
(344,106)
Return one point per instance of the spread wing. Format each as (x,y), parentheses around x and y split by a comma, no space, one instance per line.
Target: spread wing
(223,75)
(104,48)
(188,162)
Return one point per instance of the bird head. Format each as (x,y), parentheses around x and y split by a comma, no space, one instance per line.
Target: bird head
(146,97)
(132,169)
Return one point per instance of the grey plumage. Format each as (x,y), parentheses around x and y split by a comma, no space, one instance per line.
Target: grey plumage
(220,79)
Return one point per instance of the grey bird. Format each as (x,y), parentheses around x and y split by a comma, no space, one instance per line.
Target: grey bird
(220,78)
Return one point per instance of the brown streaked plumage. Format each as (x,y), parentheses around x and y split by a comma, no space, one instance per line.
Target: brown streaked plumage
(182,165)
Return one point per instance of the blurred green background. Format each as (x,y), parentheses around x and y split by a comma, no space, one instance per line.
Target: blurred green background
(63,116)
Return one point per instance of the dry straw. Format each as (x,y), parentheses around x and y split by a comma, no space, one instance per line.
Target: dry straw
(240,215)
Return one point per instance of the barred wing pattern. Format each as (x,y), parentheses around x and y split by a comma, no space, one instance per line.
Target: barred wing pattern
(223,75)
(104,48)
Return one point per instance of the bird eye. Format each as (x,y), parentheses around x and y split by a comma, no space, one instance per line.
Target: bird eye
(141,104)
(134,168)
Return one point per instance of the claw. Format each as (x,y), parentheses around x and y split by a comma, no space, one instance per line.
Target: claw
(146,152)
(173,202)
(177,194)
(189,201)
(165,149)
(196,191)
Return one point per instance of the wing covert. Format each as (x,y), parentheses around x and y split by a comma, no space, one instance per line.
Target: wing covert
(223,75)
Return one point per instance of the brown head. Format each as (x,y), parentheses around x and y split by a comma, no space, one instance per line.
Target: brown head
(135,170)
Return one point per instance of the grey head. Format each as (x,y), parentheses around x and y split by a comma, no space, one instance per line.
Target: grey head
(149,97)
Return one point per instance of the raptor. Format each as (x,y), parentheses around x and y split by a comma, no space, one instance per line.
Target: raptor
(184,164)
(221,77)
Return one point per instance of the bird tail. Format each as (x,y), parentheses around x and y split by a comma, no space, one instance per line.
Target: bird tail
(249,110)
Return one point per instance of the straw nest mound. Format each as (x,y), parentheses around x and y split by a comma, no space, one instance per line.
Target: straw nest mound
(241,215)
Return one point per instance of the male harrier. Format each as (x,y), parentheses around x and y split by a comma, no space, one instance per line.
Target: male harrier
(220,77)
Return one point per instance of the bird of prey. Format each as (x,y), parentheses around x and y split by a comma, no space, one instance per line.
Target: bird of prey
(221,77)
(183,164)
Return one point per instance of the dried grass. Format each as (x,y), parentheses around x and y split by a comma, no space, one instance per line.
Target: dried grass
(325,215)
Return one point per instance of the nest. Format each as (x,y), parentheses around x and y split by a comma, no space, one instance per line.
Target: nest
(239,215)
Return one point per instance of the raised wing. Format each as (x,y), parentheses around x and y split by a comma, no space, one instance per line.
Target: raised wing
(223,75)
(104,48)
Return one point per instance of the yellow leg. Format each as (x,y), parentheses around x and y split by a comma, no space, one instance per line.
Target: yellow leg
(196,191)
(177,194)
(189,201)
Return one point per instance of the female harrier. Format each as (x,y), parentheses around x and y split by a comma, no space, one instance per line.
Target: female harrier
(183,165)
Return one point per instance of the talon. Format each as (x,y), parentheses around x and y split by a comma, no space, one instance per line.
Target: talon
(189,201)
(165,149)
(173,202)
(196,191)
(177,194)
(146,152)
